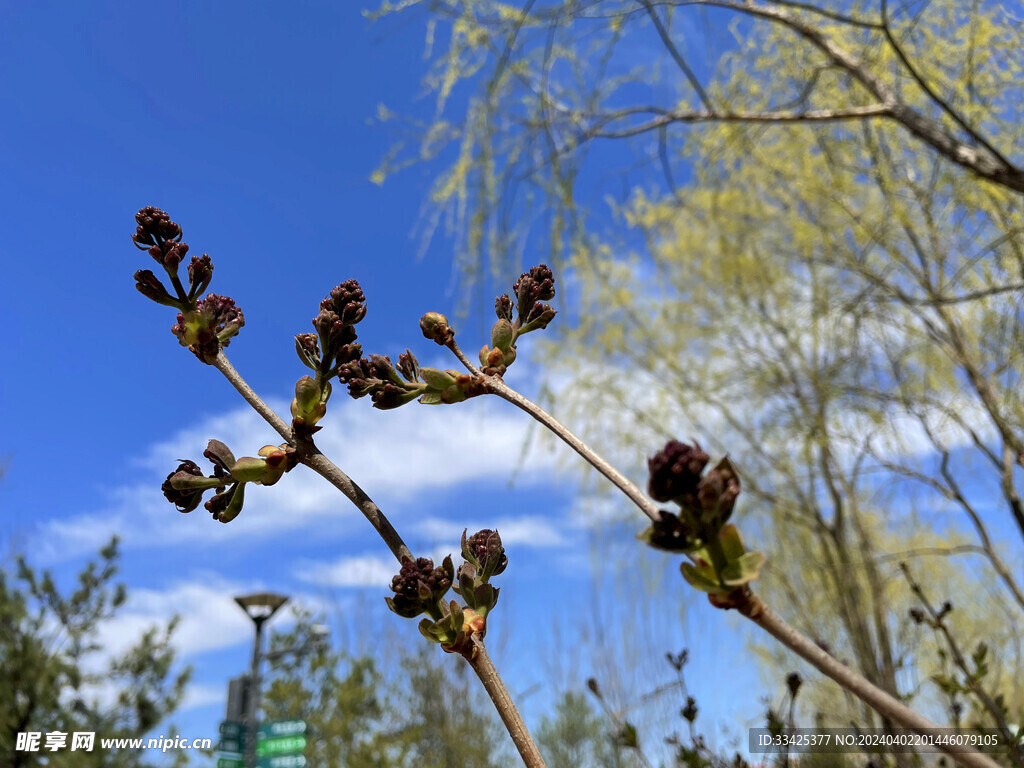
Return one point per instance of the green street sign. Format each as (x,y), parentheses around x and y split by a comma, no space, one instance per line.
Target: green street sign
(232,729)
(280,746)
(282,761)
(276,728)
(231,745)
(230,762)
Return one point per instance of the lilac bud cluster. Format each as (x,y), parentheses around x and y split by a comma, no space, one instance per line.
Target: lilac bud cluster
(327,352)
(530,290)
(203,325)
(185,486)
(390,386)
(419,586)
(705,500)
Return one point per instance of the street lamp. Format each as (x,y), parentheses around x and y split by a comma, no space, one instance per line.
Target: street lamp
(259,607)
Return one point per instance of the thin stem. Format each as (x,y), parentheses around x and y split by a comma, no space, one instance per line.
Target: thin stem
(310,455)
(882,702)
(222,364)
(328,470)
(938,623)
(492,682)
(457,351)
(497,386)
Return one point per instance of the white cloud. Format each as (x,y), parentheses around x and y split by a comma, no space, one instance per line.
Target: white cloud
(357,571)
(525,531)
(591,510)
(396,456)
(202,695)
(210,619)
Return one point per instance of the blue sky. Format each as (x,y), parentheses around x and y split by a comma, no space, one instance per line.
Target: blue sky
(253,128)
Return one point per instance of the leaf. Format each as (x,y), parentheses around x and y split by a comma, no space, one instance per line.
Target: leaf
(744,570)
(702,579)
(732,542)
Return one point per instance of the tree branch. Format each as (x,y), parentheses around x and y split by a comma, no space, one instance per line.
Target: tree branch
(310,455)
(980,160)
(853,681)
(482,665)
(677,56)
(671,116)
(495,385)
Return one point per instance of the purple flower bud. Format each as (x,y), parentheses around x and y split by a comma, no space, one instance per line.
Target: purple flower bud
(536,285)
(200,273)
(307,348)
(389,396)
(212,324)
(225,506)
(150,286)
(347,301)
(154,228)
(484,550)
(539,316)
(419,585)
(503,307)
(185,499)
(675,471)
(717,492)
(409,366)
(356,374)
(672,533)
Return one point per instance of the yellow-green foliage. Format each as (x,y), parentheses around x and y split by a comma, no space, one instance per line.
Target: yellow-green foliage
(833,303)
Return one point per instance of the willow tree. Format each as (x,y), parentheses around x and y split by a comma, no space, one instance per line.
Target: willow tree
(794,232)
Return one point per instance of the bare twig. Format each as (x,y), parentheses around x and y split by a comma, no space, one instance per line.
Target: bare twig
(667,117)
(938,622)
(677,56)
(882,702)
(481,663)
(457,351)
(310,455)
(497,386)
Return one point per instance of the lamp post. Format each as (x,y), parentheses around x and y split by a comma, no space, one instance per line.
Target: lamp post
(259,607)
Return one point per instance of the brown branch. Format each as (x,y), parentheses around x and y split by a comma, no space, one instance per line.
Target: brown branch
(938,622)
(310,455)
(457,351)
(882,702)
(668,117)
(496,386)
(677,56)
(492,682)
(929,91)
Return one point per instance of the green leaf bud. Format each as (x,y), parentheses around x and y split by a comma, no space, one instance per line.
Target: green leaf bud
(307,396)
(436,379)
(435,326)
(248,469)
(502,335)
